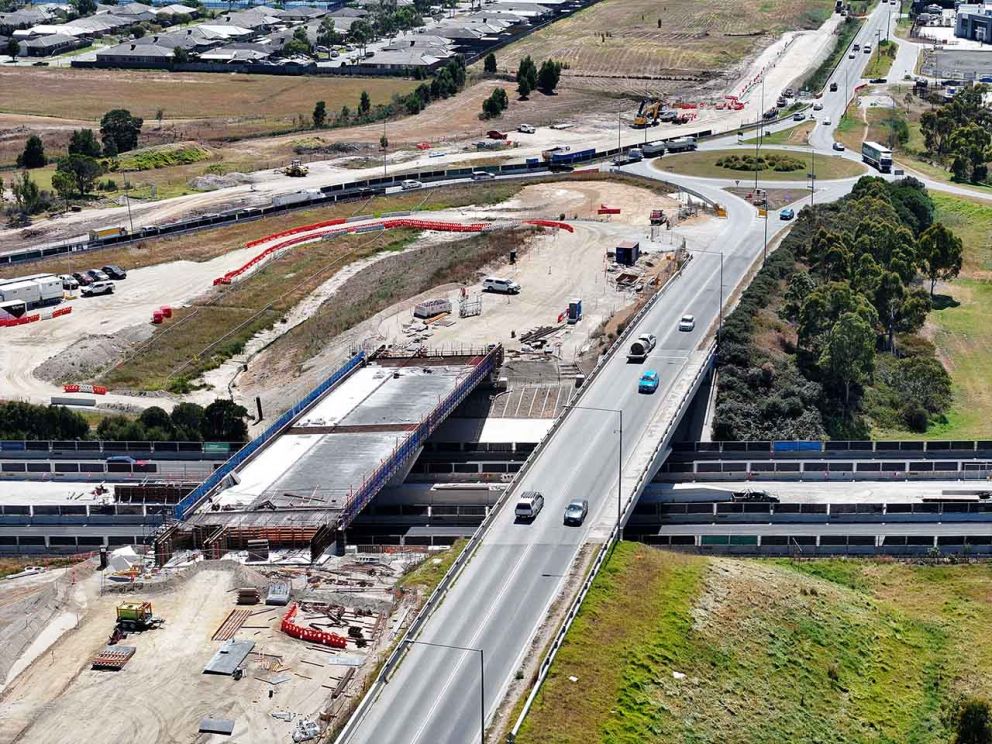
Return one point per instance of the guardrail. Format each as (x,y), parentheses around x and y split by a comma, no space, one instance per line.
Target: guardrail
(121,448)
(860,445)
(454,571)
(193,500)
(607,546)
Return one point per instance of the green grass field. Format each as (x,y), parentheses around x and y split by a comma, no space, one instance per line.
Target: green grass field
(797,135)
(703,164)
(835,652)
(881,60)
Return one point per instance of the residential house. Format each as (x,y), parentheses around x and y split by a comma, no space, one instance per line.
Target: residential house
(134,54)
(51,45)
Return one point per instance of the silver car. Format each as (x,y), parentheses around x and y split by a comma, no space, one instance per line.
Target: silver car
(575,512)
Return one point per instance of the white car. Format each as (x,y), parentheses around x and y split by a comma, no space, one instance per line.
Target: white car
(839,146)
(817,106)
(826,122)
(851,55)
(526,129)
(483,176)
(69,283)
(409,184)
(97,288)
(500,285)
(687,323)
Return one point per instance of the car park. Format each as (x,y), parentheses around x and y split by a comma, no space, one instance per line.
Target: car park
(787,214)
(82,278)
(98,288)
(115,272)
(500,285)
(69,282)
(687,323)
(839,146)
(529,505)
(576,511)
(648,382)
(410,184)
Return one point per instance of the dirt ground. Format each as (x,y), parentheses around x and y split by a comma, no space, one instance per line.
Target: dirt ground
(162,694)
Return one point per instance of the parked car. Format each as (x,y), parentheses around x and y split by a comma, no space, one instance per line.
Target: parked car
(498,284)
(114,272)
(98,288)
(878,81)
(98,276)
(687,323)
(527,129)
(648,382)
(69,282)
(787,214)
(82,278)
(529,505)
(410,184)
(575,512)
(839,146)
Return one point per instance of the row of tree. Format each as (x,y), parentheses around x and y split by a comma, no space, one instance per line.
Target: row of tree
(853,274)
(530,78)
(221,421)
(957,134)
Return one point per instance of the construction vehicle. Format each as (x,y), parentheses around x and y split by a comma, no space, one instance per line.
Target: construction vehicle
(102,233)
(496,134)
(132,616)
(296,169)
(647,114)
(658,217)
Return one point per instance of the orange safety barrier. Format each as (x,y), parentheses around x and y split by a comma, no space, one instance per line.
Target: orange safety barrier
(70,388)
(551,223)
(310,634)
(295,231)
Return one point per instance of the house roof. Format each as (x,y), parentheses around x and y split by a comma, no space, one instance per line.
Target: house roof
(134,50)
(49,41)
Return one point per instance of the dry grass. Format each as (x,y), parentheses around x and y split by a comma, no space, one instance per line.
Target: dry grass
(695,38)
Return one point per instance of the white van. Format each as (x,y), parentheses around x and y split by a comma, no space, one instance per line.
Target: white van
(497,284)
(529,505)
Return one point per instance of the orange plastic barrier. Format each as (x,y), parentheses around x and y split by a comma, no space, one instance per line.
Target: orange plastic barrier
(295,231)
(551,223)
(603,209)
(310,634)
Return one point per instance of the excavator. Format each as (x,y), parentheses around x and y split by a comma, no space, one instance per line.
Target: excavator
(648,113)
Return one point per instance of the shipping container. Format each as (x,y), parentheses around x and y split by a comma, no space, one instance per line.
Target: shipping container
(108,232)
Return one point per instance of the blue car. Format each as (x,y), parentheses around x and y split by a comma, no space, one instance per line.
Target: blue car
(648,382)
(787,214)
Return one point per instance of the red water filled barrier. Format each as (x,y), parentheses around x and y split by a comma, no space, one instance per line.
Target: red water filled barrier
(551,223)
(166,311)
(603,209)
(295,237)
(310,634)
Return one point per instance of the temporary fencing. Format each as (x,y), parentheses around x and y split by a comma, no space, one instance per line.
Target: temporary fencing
(317,230)
(309,634)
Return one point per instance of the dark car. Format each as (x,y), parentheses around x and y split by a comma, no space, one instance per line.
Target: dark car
(82,278)
(878,80)
(114,272)
(575,512)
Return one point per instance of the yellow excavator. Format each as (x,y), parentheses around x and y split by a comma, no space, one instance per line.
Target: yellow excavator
(648,113)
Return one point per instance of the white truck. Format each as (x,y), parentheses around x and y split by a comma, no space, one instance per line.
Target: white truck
(877,156)
(641,347)
(297,197)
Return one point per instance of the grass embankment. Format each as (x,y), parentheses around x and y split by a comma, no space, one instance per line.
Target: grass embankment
(959,326)
(846,32)
(881,59)
(703,164)
(428,574)
(797,135)
(823,651)
(162,156)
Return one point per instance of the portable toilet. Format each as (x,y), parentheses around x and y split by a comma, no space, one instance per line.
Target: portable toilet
(627,252)
(574,310)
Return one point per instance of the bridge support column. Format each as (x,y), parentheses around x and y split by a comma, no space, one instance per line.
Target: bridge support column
(340,540)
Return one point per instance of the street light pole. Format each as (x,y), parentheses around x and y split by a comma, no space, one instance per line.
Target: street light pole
(482,678)
(720,254)
(619,461)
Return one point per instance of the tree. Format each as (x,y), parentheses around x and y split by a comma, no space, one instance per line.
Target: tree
(897,309)
(364,104)
(33,155)
(489,64)
(383,142)
(187,421)
(319,114)
(30,421)
(180,56)
(969,146)
(327,35)
(848,356)
(159,115)
(83,170)
(64,184)
(12,48)
(495,104)
(299,44)
(27,195)
(119,131)
(548,77)
(526,77)
(974,723)
(361,33)
(83,7)
(941,253)
(223,421)
(158,424)
(84,142)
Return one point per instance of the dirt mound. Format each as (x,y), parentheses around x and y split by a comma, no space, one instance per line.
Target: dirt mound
(214,182)
(90,355)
